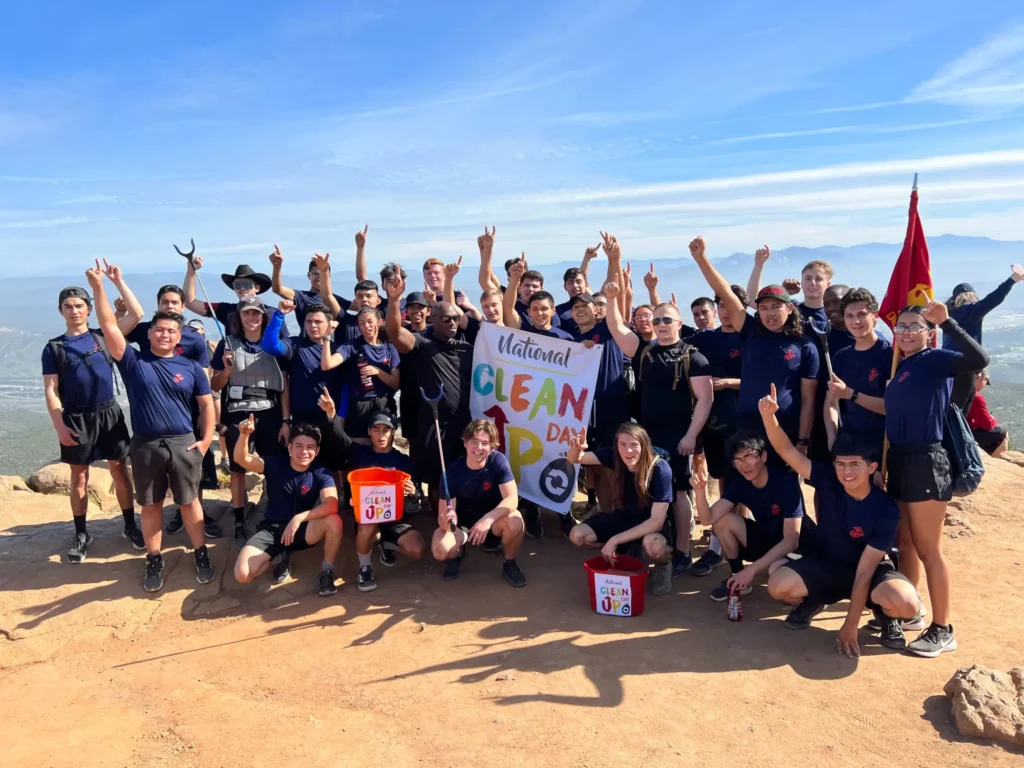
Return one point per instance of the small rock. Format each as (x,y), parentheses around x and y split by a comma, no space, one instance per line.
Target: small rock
(988,703)
(505,676)
(422,626)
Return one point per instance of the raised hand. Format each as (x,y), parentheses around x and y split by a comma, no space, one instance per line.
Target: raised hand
(651,279)
(95,276)
(286,306)
(591,253)
(247,427)
(936,312)
(120,308)
(578,442)
(610,290)
(276,259)
(610,245)
(229,360)
(1016,272)
(395,286)
(326,403)
(361,237)
(486,241)
(332,327)
(699,477)
(769,404)
(672,300)
(762,255)
(323,263)
(195,263)
(697,247)
(515,272)
(791,285)
(112,271)
(451,270)
(429,294)
(462,302)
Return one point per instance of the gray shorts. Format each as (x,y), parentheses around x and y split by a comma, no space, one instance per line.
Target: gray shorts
(163,464)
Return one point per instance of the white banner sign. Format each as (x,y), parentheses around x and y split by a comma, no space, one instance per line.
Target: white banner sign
(539,392)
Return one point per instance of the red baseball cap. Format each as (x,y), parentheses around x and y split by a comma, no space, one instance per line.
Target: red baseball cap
(774,292)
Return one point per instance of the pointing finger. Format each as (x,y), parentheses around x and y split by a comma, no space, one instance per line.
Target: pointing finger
(773,390)
(459,262)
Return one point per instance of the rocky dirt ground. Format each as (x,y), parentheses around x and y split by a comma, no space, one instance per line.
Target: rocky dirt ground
(95,672)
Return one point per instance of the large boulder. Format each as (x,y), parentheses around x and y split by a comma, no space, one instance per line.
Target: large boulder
(56,479)
(988,703)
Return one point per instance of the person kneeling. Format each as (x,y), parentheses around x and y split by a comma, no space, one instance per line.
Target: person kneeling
(773,496)
(391,538)
(483,509)
(857,525)
(642,486)
(302,506)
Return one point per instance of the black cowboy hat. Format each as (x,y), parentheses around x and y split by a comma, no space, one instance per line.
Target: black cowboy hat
(245,271)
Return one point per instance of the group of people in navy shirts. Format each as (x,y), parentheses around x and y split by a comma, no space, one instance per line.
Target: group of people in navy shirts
(761,393)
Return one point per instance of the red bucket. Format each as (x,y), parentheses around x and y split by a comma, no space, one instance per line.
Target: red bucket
(377,494)
(617,590)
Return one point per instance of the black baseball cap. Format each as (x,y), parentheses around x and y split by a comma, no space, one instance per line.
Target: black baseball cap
(381,418)
(417,297)
(774,292)
(587,297)
(74,292)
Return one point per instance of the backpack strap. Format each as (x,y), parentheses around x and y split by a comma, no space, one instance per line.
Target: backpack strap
(645,354)
(102,344)
(56,346)
(683,369)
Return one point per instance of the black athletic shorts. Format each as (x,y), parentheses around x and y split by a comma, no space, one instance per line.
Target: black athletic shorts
(758,544)
(357,423)
(714,452)
(681,466)
(268,538)
(919,472)
(829,582)
(989,439)
(608,524)
(605,419)
(390,533)
(102,435)
(163,463)
(426,450)
(263,440)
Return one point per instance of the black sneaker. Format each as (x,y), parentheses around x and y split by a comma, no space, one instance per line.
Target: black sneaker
(175,524)
(800,617)
(78,550)
(154,578)
(239,538)
(283,569)
(680,563)
(915,624)
(706,564)
(891,631)
(204,568)
(134,535)
(512,573)
(366,582)
(388,556)
(721,593)
(934,641)
(531,516)
(567,522)
(453,567)
(326,583)
(213,531)
(491,543)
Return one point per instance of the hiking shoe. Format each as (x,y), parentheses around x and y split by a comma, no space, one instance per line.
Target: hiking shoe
(661,581)
(366,582)
(388,556)
(225,465)
(567,523)
(204,569)
(800,617)
(512,573)
(154,578)
(78,550)
(134,535)
(453,567)
(934,641)
(721,593)
(491,543)
(326,586)
(531,516)
(175,524)
(283,569)
(213,531)
(681,563)
(892,632)
(915,624)
(706,564)
(239,537)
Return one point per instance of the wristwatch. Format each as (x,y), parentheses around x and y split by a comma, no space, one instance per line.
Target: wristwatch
(853,397)
(287,420)
(803,441)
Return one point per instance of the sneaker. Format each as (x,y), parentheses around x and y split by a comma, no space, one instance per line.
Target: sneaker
(213,531)
(800,617)
(204,569)
(721,593)
(512,573)
(239,537)
(134,535)
(283,569)
(225,465)
(366,582)
(326,583)
(175,524)
(661,581)
(78,550)
(706,564)
(681,563)
(154,578)
(892,632)
(388,556)
(915,624)
(453,567)
(567,522)
(531,516)
(934,641)
(491,544)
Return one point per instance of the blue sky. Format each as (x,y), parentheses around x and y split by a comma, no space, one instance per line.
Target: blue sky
(125,127)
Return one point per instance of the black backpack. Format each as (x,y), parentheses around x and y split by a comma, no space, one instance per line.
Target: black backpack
(61,357)
(964,457)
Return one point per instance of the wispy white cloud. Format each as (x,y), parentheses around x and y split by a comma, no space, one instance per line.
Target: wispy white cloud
(785,135)
(606,119)
(61,221)
(89,199)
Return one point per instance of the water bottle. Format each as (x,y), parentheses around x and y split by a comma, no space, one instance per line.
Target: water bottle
(734,607)
(364,378)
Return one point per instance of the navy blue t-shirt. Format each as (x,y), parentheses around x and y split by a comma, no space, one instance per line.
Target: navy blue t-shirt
(88,378)
(610,382)
(847,526)
(659,488)
(303,369)
(383,356)
(192,344)
(775,358)
(476,491)
(364,457)
(218,354)
(305,299)
(816,317)
(290,491)
(724,353)
(916,398)
(563,312)
(554,332)
(865,371)
(838,340)
(161,391)
(780,498)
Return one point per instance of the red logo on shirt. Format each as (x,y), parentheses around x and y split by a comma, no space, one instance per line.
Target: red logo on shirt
(903,377)
(790,354)
(304,490)
(776,509)
(487,485)
(872,374)
(597,339)
(179,350)
(734,353)
(178,378)
(856,532)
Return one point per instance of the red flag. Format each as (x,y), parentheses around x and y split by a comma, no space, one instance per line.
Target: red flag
(911,281)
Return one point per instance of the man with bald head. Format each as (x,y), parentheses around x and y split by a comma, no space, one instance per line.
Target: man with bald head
(442,362)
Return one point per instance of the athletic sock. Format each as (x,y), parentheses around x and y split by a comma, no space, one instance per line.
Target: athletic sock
(591,497)
(325,566)
(715,545)
(129,517)
(507,561)
(239,513)
(364,560)
(79,523)
(735,564)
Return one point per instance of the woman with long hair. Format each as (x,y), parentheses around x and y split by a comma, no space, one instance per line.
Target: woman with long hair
(642,489)
(919,479)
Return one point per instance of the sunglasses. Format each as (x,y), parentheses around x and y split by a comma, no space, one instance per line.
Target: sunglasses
(664,321)
(915,328)
(243,285)
(449,318)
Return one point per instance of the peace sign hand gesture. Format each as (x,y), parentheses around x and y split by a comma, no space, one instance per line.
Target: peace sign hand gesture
(486,241)
(610,245)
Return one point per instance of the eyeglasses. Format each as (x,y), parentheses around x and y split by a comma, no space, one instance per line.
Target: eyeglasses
(243,285)
(600,303)
(449,318)
(915,328)
(745,461)
(663,321)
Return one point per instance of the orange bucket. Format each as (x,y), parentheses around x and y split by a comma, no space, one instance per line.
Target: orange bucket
(377,494)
